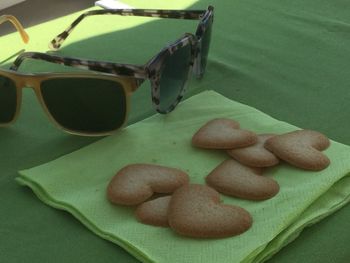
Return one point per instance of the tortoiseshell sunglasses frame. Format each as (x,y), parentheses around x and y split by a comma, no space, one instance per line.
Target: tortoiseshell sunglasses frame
(152,70)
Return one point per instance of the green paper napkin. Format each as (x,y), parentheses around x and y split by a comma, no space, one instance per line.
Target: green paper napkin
(77,183)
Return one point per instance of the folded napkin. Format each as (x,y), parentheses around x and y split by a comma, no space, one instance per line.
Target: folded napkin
(77,183)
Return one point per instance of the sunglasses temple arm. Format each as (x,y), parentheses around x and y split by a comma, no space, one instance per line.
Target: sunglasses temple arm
(177,14)
(123,70)
(15,65)
(16,24)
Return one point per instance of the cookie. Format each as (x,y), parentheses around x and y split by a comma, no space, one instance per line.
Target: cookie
(135,183)
(237,180)
(195,211)
(301,148)
(154,212)
(223,134)
(255,155)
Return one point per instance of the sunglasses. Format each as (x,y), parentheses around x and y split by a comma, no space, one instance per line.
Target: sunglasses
(13,20)
(96,102)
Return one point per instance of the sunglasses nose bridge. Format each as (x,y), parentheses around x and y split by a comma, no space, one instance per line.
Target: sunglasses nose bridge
(30,81)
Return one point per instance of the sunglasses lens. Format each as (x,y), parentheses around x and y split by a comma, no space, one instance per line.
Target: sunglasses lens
(85,105)
(173,78)
(205,45)
(8,100)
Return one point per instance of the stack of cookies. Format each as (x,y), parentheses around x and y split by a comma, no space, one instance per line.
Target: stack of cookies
(165,197)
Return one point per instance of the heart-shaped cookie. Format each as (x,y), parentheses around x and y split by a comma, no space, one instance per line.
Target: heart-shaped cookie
(255,155)
(235,179)
(154,212)
(223,134)
(135,183)
(301,148)
(195,211)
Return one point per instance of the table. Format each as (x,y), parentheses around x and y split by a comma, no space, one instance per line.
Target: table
(289,59)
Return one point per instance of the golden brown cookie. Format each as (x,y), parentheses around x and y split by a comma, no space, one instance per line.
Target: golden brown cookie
(234,179)
(223,134)
(195,211)
(135,183)
(255,155)
(154,212)
(301,148)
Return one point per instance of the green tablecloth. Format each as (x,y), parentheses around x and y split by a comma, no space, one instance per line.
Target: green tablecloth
(289,59)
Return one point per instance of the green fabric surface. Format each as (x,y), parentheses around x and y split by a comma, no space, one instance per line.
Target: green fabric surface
(289,59)
(77,183)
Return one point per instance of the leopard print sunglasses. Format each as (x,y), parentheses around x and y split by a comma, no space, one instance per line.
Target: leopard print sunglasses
(168,72)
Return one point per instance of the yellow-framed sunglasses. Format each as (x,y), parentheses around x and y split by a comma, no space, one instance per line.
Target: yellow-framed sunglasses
(95,116)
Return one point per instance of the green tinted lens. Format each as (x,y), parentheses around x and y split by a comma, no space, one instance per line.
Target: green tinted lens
(205,42)
(174,77)
(85,104)
(8,100)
